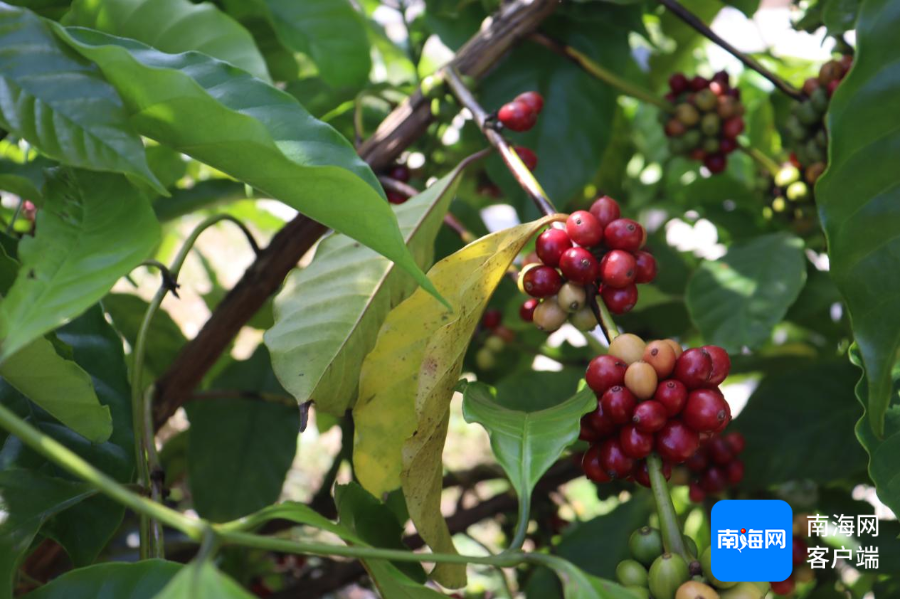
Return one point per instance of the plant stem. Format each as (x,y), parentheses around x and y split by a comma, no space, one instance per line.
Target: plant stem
(599,72)
(522,524)
(516,166)
(760,157)
(601,313)
(691,19)
(668,521)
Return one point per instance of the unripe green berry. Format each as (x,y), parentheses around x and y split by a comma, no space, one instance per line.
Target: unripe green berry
(645,545)
(494,343)
(667,573)
(797,191)
(572,297)
(687,114)
(485,359)
(706,100)
(710,124)
(706,563)
(631,572)
(583,319)
(786,176)
(549,315)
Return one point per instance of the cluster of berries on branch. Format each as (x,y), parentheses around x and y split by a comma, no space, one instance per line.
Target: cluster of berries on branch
(792,198)
(598,252)
(651,398)
(521,115)
(402,174)
(715,465)
(707,120)
(496,337)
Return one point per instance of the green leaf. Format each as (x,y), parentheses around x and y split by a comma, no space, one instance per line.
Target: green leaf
(328,314)
(748,7)
(60,103)
(164,339)
(737,300)
(202,580)
(526,444)
(21,187)
(204,194)
(251,131)
(239,451)
(93,229)
(27,501)
(142,579)
(839,16)
(859,198)
(578,584)
(173,26)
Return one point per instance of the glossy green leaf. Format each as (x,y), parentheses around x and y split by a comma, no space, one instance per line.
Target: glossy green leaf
(252,131)
(60,103)
(840,15)
(239,450)
(93,229)
(21,187)
(142,579)
(201,579)
(859,198)
(738,299)
(27,501)
(173,26)
(328,314)
(164,339)
(578,584)
(203,195)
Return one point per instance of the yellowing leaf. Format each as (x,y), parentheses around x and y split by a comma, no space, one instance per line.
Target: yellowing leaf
(407,382)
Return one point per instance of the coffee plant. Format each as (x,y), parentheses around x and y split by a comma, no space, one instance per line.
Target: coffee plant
(445,298)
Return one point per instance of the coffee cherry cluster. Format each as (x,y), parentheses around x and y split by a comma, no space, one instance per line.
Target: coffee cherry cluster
(807,138)
(715,465)
(497,337)
(402,174)
(802,572)
(707,120)
(521,114)
(651,398)
(597,251)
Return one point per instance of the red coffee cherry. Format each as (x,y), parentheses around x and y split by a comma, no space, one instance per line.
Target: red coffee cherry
(714,481)
(614,460)
(619,300)
(400,173)
(636,444)
(721,364)
(678,83)
(733,127)
(528,157)
(526,311)
(542,282)
(584,229)
(783,588)
(694,368)
(579,265)
(696,493)
(734,471)
(396,197)
(676,442)
(618,268)
(799,550)
(624,234)
(600,422)
(727,145)
(705,410)
(491,318)
(645,267)
(605,210)
(727,418)
(672,394)
(533,99)
(715,162)
(720,451)
(698,462)
(604,372)
(517,116)
(736,441)
(699,83)
(587,433)
(590,464)
(642,475)
(550,245)
(650,416)
(619,403)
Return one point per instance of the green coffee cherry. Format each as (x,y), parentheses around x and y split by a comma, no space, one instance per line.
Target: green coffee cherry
(690,544)
(786,176)
(706,563)
(646,545)
(691,138)
(815,152)
(494,343)
(710,145)
(485,359)
(743,589)
(706,99)
(667,573)
(710,124)
(572,297)
(631,573)
(808,114)
(819,100)
(638,591)
(797,191)
(687,114)
(583,319)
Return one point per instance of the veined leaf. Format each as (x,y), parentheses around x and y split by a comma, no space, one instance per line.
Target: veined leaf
(173,26)
(21,187)
(328,314)
(578,584)
(93,229)
(251,131)
(60,103)
(142,579)
(201,579)
(408,379)
(859,198)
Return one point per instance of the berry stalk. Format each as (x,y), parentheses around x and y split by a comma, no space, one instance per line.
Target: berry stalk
(668,521)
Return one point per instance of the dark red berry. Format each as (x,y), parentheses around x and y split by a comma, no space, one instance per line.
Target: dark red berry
(720,451)
(587,433)
(699,83)
(727,145)
(721,77)
(396,197)
(727,418)
(598,420)
(604,372)
(528,157)
(721,364)
(590,464)
(698,462)
(733,127)
(526,311)
(672,394)
(624,234)
(645,267)
(696,493)
(579,265)
(734,471)
(584,229)
(676,442)
(736,441)
(642,475)
(832,87)
(619,300)
(491,318)
(799,551)
(636,444)
(618,402)
(400,173)
(783,588)
(614,460)
(618,269)
(650,416)
(678,83)
(550,245)
(697,154)
(517,116)
(605,210)
(693,368)
(542,282)
(533,99)
(715,162)
(714,480)
(705,410)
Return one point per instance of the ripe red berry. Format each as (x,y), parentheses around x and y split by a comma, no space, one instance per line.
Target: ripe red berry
(699,83)
(605,210)
(733,127)
(783,588)
(600,422)
(698,462)
(714,481)
(672,394)
(720,451)
(696,493)
(705,410)
(587,433)
(614,460)
(642,475)
(697,154)
(396,197)
(533,99)
(645,267)
(590,464)
(734,471)
(832,87)
(491,318)
(799,550)
(619,300)
(727,145)
(676,442)
(604,372)
(618,402)
(715,162)
(650,416)
(624,234)
(528,157)
(550,245)
(721,364)
(727,418)
(517,116)
(693,368)
(736,441)
(678,83)
(636,444)
(542,282)
(526,311)
(584,229)
(579,265)
(721,77)
(618,269)
(400,173)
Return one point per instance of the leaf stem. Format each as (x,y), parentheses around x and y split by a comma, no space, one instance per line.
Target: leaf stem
(522,524)
(601,313)
(668,521)
(599,72)
(691,19)
(762,159)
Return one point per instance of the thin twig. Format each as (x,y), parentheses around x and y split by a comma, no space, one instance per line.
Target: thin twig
(395,185)
(691,19)
(244,395)
(762,160)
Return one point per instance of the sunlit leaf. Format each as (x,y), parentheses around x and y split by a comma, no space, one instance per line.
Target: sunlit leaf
(142,579)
